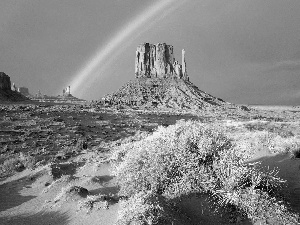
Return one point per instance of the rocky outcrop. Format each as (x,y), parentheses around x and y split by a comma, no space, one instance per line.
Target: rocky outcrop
(6,92)
(157,61)
(5,83)
(24,91)
(13,87)
(67,91)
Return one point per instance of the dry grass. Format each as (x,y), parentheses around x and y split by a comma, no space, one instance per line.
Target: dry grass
(191,157)
(17,164)
(93,202)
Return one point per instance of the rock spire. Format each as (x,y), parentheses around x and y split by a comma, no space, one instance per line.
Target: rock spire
(67,91)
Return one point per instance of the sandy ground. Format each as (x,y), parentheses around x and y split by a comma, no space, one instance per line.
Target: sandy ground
(288,169)
(26,200)
(28,197)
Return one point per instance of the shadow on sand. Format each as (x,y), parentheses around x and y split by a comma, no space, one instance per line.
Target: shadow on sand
(56,218)
(10,193)
(102,179)
(105,190)
(288,170)
(199,208)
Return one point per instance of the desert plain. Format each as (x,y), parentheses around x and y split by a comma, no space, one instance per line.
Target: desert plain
(58,163)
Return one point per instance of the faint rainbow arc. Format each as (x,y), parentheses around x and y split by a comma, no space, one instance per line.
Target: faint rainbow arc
(103,53)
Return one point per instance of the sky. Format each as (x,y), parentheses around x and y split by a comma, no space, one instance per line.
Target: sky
(243,51)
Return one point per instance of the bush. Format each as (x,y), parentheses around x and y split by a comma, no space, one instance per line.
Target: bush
(258,206)
(71,192)
(17,164)
(93,202)
(10,165)
(191,157)
(144,208)
(173,161)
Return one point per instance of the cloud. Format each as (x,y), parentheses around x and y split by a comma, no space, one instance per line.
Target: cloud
(288,65)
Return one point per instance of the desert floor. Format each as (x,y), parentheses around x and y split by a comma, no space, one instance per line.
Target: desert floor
(47,148)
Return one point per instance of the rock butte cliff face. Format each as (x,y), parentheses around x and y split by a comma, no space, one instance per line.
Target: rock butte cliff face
(24,91)
(5,83)
(161,82)
(157,61)
(6,93)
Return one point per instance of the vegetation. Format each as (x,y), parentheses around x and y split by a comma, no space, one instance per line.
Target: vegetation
(159,173)
(192,157)
(93,202)
(17,164)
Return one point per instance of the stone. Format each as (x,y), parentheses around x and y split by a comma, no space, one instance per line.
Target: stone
(7,90)
(71,193)
(5,83)
(164,93)
(184,73)
(24,91)
(13,87)
(57,170)
(81,144)
(77,190)
(157,61)
(67,91)
(161,83)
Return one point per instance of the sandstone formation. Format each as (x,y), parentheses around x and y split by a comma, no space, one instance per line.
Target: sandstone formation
(164,93)
(5,83)
(6,92)
(66,97)
(157,61)
(13,87)
(161,82)
(67,91)
(24,91)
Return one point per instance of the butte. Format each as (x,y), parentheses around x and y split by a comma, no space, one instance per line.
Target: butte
(161,82)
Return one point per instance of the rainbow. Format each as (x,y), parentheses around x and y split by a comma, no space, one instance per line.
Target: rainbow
(107,53)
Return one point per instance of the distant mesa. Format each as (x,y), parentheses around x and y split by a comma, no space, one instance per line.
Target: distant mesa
(161,82)
(8,92)
(24,91)
(67,91)
(66,97)
(5,83)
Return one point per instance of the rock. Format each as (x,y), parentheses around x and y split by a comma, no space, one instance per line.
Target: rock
(162,93)
(67,91)
(161,83)
(77,190)
(5,83)
(13,87)
(81,144)
(71,193)
(157,61)
(6,92)
(57,170)
(66,97)
(24,91)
